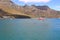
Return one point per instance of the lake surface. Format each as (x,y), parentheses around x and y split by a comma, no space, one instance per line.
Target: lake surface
(29,29)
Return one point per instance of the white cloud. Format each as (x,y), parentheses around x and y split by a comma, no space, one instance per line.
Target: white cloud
(57,6)
(27,1)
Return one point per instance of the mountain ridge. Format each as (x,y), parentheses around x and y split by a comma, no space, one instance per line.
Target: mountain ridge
(33,11)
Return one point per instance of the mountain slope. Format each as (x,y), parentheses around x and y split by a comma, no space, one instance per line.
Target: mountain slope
(10,8)
(31,11)
(41,11)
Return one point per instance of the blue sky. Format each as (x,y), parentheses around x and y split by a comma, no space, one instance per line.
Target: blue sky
(54,4)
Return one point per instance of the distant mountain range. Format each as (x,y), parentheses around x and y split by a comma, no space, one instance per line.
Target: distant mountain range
(8,9)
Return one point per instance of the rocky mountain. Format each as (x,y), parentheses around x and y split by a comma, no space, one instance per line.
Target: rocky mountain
(9,9)
(41,11)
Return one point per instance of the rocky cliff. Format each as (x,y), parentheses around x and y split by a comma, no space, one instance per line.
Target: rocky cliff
(41,11)
(8,8)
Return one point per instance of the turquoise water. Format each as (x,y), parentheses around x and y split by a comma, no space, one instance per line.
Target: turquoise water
(29,29)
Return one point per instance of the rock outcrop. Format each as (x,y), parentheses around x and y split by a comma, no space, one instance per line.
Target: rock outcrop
(10,10)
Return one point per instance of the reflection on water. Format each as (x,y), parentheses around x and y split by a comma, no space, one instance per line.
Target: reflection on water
(30,29)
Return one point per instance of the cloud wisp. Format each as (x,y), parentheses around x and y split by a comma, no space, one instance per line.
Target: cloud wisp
(57,6)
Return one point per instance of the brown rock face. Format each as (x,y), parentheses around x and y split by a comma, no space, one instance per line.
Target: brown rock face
(10,10)
(7,7)
(41,11)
